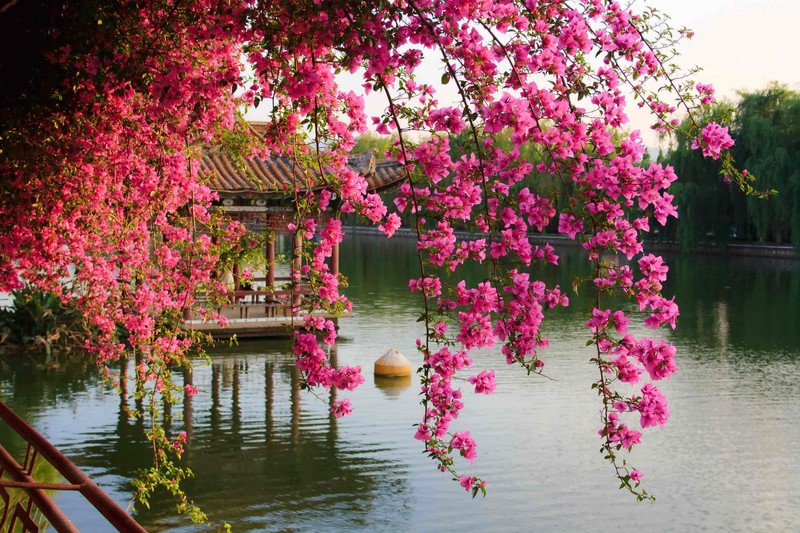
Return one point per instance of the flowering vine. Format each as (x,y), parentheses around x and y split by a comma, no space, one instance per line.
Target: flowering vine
(103,203)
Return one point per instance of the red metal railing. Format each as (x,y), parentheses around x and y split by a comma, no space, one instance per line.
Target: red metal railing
(39,506)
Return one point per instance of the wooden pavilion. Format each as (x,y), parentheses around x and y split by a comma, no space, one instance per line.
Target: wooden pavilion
(259,194)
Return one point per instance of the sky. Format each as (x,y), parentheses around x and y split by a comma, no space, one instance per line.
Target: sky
(742,45)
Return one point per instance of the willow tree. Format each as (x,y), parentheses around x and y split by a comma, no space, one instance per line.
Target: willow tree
(767,129)
(766,126)
(702,194)
(102,202)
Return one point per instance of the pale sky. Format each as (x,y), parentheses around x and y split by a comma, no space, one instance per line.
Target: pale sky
(741,44)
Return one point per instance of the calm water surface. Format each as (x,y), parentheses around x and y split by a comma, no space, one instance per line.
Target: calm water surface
(268,457)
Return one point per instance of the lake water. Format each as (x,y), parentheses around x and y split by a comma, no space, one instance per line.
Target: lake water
(269,457)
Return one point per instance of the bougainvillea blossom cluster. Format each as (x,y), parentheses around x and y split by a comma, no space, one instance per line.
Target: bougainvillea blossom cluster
(106,207)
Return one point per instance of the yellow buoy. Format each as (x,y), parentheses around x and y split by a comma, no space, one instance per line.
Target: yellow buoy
(392,364)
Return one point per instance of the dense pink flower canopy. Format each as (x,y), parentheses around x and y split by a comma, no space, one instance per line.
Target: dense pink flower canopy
(104,205)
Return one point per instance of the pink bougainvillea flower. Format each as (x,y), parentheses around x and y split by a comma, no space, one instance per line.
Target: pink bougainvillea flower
(715,138)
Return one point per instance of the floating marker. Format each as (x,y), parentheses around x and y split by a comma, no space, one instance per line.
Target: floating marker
(393,364)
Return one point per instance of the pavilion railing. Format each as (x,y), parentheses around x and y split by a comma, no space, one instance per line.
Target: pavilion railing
(38,511)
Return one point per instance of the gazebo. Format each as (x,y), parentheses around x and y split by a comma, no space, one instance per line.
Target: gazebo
(259,193)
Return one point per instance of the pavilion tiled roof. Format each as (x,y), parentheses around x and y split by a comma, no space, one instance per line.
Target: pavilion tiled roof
(386,174)
(275,175)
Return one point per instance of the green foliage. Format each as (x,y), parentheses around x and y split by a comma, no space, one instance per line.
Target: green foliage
(372,141)
(545,184)
(766,127)
(767,131)
(165,474)
(39,320)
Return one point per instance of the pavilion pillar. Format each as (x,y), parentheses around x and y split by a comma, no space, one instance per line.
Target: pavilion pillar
(237,277)
(335,260)
(297,265)
(270,253)
(297,259)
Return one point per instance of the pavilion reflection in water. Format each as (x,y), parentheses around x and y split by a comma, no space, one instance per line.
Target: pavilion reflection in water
(255,439)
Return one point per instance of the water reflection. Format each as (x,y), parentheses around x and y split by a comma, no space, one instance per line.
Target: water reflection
(262,448)
(270,457)
(742,301)
(393,387)
(259,446)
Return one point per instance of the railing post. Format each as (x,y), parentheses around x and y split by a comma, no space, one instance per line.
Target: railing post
(112,512)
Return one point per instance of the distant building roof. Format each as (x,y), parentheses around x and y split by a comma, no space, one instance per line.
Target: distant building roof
(275,175)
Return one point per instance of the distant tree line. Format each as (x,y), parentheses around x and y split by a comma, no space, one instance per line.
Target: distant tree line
(544,184)
(766,127)
(712,210)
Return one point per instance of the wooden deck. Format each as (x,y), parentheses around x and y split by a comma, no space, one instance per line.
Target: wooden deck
(255,314)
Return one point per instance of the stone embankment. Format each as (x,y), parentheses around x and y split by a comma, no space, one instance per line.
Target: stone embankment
(738,249)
